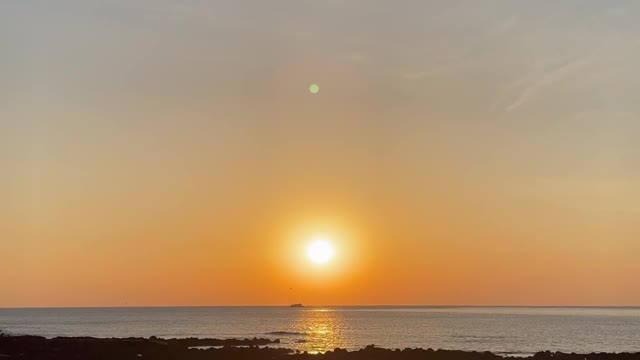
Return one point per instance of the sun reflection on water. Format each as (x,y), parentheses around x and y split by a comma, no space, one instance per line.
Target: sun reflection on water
(323,330)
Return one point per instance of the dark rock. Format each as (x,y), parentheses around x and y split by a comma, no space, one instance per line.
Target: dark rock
(154,348)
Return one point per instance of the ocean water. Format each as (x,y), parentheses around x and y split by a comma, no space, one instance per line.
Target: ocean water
(513,331)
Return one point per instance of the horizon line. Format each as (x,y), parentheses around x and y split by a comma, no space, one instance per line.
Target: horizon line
(320,306)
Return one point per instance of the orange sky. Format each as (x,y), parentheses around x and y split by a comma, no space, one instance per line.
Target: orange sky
(161,153)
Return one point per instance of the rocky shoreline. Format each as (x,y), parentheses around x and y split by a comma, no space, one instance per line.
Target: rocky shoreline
(36,347)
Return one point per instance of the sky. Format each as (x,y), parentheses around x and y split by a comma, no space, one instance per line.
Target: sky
(165,152)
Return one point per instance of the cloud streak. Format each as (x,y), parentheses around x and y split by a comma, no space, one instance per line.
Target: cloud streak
(549,78)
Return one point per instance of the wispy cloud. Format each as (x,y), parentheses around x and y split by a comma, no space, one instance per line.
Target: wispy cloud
(509,24)
(546,79)
(355,57)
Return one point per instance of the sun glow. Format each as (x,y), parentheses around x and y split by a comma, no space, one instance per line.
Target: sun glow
(320,251)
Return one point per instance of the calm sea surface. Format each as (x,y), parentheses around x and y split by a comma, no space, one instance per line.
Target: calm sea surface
(504,330)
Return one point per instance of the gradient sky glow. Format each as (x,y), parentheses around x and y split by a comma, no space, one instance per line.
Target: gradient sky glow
(165,152)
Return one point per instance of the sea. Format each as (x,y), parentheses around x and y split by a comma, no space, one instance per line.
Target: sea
(510,331)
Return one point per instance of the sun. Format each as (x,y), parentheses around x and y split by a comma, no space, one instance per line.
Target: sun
(320,251)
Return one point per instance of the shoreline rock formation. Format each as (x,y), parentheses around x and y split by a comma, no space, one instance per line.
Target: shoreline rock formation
(36,347)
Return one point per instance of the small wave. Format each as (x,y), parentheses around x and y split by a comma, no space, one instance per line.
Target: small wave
(285,333)
(476,337)
(514,354)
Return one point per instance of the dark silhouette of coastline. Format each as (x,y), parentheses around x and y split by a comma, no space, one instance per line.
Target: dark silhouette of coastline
(36,347)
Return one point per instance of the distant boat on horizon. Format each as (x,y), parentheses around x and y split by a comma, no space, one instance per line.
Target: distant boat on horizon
(298,305)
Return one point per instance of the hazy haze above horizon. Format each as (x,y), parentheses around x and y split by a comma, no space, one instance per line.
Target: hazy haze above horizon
(458,152)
